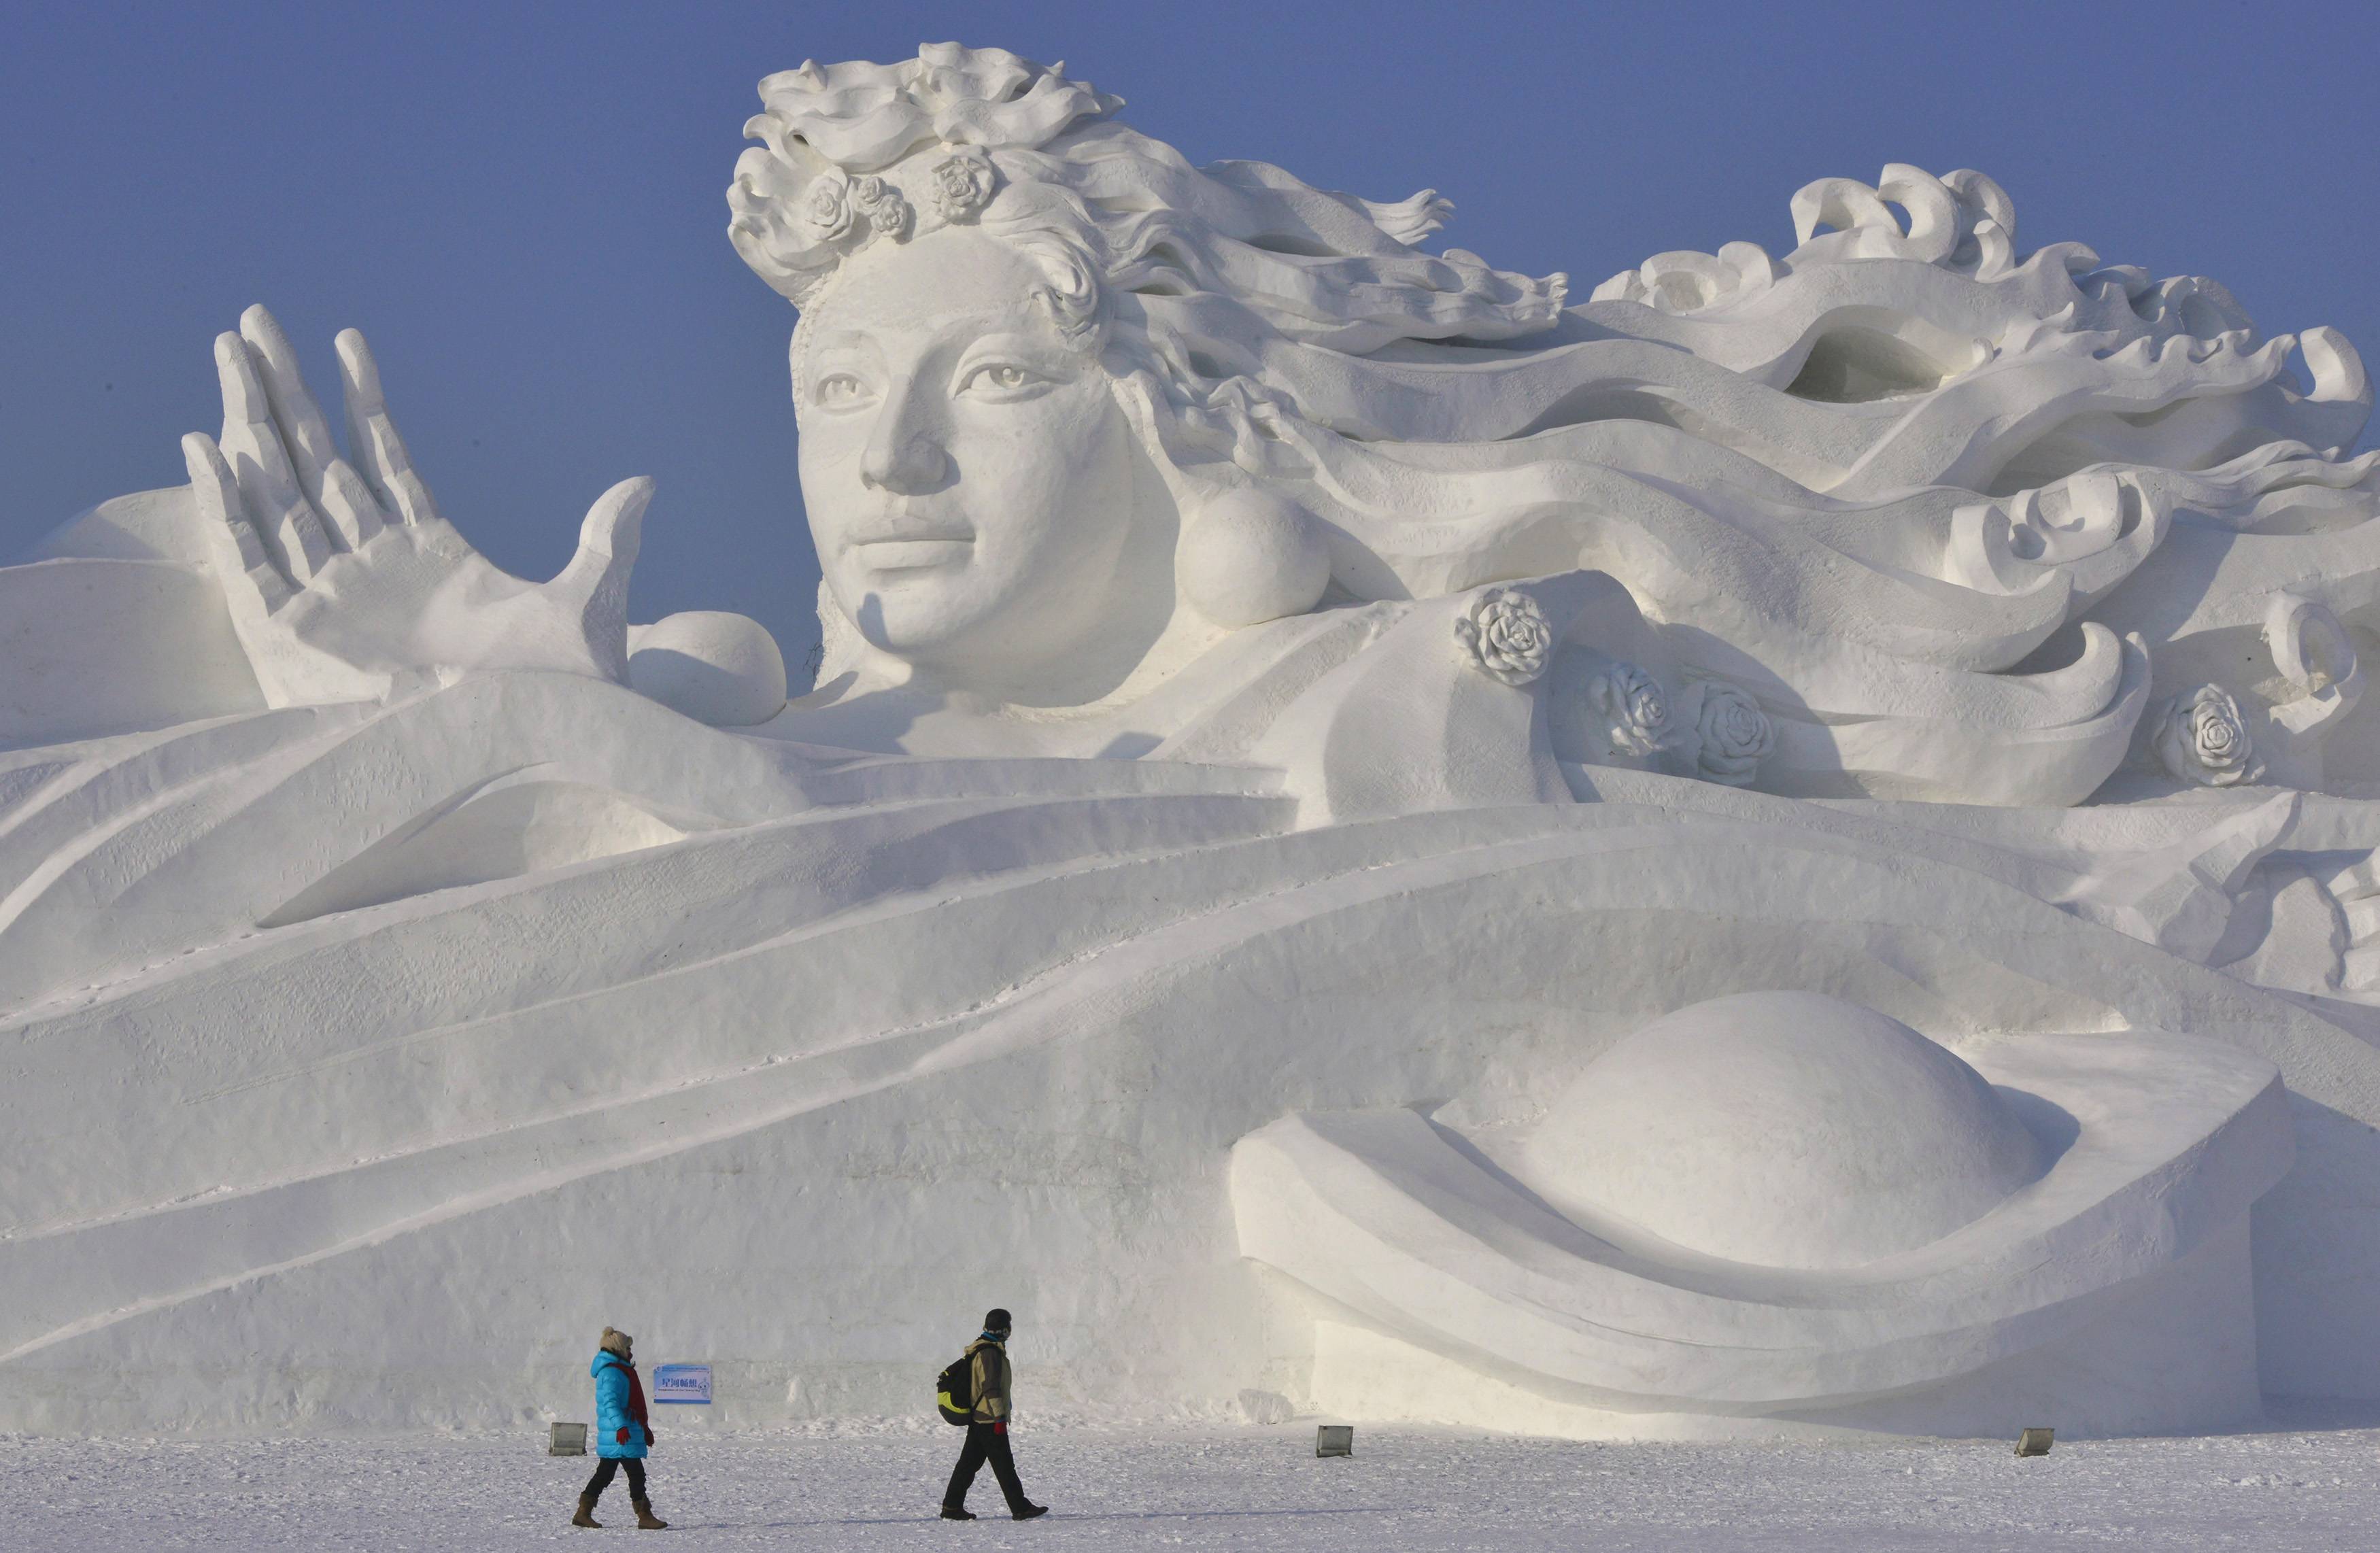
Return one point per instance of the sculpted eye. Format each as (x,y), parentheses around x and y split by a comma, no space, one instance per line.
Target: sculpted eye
(1000,377)
(839,388)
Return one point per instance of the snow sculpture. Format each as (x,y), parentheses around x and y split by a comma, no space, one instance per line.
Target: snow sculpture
(338,581)
(1505,636)
(1637,708)
(2201,739)
(1778,1206)
(716,668)
(1782,1129)
(1306,725)
(1734,735)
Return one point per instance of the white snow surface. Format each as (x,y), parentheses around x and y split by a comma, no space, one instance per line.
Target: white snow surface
(1407,1489)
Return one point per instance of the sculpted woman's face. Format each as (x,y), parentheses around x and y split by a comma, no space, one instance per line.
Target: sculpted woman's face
(968,474)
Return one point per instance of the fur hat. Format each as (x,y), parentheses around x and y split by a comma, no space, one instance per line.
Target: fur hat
(615,1341)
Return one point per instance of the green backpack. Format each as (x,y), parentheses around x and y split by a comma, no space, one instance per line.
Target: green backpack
(954,1392)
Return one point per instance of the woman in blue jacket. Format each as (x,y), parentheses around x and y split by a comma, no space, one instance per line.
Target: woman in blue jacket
(622,1434)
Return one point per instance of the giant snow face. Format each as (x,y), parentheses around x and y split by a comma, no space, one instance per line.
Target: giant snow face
(966,473)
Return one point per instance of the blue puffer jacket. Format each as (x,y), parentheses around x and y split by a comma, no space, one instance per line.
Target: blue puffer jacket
(611,1388)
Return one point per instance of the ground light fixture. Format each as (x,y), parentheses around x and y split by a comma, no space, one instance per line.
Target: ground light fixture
(567,1439)
(2034,1442)
(1334,1440)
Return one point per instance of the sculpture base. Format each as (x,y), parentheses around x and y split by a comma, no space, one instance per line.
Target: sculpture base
(2176,1354)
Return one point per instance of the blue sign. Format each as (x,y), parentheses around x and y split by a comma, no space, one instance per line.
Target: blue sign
(682,1383)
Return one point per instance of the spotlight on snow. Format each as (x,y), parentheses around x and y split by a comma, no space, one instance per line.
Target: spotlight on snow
(567,1440)
(1334,1440)
(2034,1442)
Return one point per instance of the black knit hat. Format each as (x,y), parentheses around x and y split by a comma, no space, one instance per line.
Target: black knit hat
(997,1321)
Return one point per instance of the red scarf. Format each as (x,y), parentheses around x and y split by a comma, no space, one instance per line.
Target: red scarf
(636,1394)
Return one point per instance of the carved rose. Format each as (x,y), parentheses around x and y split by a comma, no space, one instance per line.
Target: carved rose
(2203,740)
(1635,709)
(1506,636)
(826,209)
(1736,735)
(961,186)
(888,214)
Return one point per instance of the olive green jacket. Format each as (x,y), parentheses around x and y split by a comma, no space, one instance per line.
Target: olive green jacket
(990,1374)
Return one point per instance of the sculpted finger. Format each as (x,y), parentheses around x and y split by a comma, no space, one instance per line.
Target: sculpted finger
(596,581)
(304,431)
(349,506)
(251,583)
(614,525)
(249,431)
(380,452)
(341,500)
(285,519)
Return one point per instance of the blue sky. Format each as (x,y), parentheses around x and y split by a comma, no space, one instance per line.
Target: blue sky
(522,205)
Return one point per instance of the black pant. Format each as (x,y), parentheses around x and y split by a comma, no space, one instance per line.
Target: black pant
(602,1478)
(985,1443)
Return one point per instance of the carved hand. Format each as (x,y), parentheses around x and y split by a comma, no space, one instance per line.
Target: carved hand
(342,578)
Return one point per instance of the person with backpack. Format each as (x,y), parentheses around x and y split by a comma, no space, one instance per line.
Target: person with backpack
(622,1433)
(982,1375)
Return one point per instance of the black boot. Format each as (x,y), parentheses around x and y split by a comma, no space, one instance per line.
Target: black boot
(957,1512)
(1027,1510)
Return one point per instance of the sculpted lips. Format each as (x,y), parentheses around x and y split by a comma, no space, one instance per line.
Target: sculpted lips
(903,543)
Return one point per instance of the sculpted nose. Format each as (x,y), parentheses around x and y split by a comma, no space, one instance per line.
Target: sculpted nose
(911,464)
(903,454)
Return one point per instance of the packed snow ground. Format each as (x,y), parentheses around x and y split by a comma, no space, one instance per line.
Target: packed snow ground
(1410,1490)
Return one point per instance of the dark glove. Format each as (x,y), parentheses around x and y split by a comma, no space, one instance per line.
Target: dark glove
(1001,1427)
(649,1437)
(621,1434)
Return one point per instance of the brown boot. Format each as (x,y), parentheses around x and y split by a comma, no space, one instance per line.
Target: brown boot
(646,1519)
(586,1516)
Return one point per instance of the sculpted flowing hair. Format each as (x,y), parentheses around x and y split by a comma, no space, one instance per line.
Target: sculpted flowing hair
(1232,284)
(1873,482)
